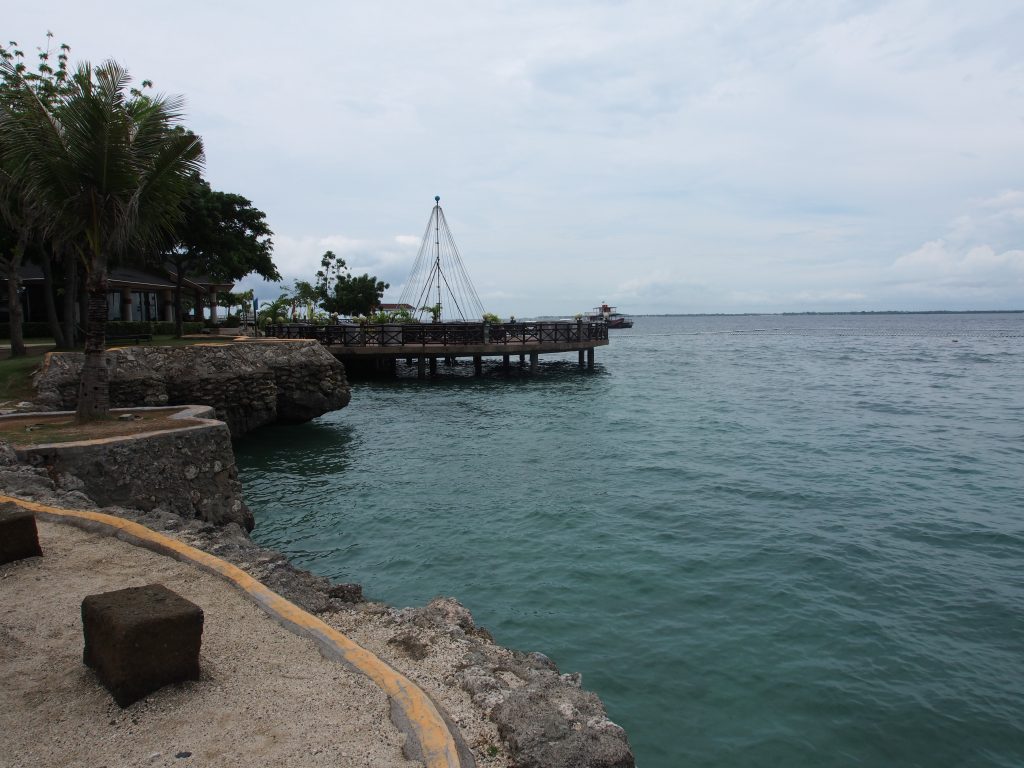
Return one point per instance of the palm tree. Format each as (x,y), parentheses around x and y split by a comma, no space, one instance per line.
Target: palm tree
(107,168)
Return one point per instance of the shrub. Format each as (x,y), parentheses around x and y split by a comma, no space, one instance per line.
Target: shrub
(114,328)
(128,327)
(232,321)
(385,317)
(28,330)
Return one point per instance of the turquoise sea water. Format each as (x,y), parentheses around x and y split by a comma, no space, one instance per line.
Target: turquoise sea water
(776,540)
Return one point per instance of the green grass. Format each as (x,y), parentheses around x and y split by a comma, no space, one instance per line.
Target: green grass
(16,377)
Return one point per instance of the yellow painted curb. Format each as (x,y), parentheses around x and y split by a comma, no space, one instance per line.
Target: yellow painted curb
(437,747)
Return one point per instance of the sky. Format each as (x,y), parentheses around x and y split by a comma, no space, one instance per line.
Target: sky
(664,157)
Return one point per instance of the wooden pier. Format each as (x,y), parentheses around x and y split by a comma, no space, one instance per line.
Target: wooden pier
(378,347)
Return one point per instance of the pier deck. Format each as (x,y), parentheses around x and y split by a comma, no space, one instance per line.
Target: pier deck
(382,344)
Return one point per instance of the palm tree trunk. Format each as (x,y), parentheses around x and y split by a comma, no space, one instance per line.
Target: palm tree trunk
(83,301)
(94,386)
(179,315)
(15,315)
(70,297)
(49,301)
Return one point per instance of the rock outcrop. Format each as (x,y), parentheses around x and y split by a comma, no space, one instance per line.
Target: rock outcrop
(547,719)
(248,384)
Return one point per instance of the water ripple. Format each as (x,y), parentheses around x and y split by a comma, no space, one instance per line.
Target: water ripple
(763,541)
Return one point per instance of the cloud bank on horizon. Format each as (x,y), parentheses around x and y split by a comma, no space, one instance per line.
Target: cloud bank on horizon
(719,157)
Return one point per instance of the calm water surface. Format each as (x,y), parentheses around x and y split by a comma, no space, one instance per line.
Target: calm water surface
(793,541)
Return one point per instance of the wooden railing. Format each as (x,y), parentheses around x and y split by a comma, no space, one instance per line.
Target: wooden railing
(441,334)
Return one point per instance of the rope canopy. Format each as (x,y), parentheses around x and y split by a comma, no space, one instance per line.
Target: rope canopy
(439,286)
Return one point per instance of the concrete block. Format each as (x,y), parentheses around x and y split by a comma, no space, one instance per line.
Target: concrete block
(140,639)
(18,535)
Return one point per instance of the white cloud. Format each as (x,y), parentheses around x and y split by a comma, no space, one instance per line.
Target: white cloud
(829,297)
(980,256)
(940,259)
(707,156)
(299,257)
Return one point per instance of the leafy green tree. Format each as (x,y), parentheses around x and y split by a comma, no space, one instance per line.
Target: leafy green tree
(106,171)
(231,299)
(434,310)
(341,293)
(358,295)
(303,293)
(275,310)
(19,220)
(222,235)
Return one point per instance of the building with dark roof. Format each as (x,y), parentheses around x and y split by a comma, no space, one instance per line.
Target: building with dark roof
(133,294)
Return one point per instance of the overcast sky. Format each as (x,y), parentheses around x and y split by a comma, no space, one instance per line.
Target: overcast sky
(661,156)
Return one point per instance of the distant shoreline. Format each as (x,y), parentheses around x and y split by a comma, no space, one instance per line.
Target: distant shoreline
(855,312)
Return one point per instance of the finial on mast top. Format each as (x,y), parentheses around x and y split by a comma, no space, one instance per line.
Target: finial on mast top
(437,198)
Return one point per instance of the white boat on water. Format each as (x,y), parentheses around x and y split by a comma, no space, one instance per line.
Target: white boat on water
(610,316)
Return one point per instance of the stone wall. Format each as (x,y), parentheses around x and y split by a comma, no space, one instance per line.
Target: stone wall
(249,384)
(188,471)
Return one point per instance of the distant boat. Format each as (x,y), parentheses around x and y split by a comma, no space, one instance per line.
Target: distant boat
(610,316)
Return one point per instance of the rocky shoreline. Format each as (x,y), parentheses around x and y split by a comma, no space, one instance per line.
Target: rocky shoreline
(545,719)
(497,696)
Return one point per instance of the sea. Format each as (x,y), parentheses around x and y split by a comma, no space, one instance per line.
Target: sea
(777,540)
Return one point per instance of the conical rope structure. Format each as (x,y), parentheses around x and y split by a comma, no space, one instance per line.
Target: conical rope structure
(439,284)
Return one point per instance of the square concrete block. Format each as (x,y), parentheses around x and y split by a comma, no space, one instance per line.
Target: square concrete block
(18,535)
(141,639)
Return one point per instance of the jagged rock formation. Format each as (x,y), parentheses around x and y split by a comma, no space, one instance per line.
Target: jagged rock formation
(248,384)
(546,718)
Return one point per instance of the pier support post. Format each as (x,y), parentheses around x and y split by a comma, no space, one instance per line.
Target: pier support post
(533,362)
(478,365)
(433,366)
(522,359)
(421,367)
(408,362)
(590,358)
(504,362)
(582,355)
